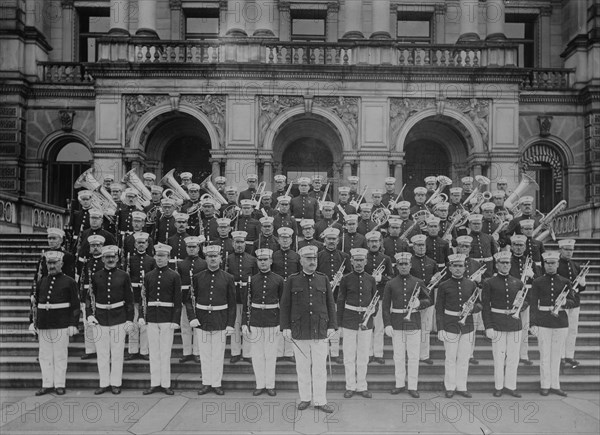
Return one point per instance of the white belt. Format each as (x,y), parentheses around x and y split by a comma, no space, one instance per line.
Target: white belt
(241,283)
(452,313)
(357,309)
(442,265)
(174,260)
(136,284)
(249,242)
(499,311)
(212,307)
(265,306)
(399,310)
(81,259)
(160,304)
(544,308)
(54,306)
(110,306)
(185,287)
(484,259)
(86,286)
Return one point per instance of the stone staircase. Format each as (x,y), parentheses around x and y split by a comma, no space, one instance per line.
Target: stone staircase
(20,369)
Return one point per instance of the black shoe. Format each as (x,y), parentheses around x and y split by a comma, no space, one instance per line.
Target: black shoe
(197,359)
(101,390)
(348,394)
(145,357)
(235,359)
(218,391)
(280,358)
(380,360)
(60,391)
(258,391)
(497,393)
(116,390)
(544,391)
(397,390)
(131,356)
(449,394)
(303,405)
(339,360)
(204,390)
(186,358)
(569,362)
(414,394)
(168,391)
(366,394)
(325,408)
(513,393)
(271,392)
(371,359)
(88,355)
(558,392)
(151,390)
(43,391)
(473,361)
(464,394)
(526,362)
(428,361)
(248,360)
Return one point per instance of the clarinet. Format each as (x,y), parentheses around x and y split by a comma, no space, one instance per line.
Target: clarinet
(143,292)
(34,295)
(192,291)
(91,292)
(249,301)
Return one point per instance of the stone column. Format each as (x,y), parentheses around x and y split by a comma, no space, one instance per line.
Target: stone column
(545,60)
(268,174)
(216,167)
(439,23)
(346,170)
(333,21)
(147,19)
(67,31)
(469,20)
(265,18)
(398,174)
(495,18)
(119,18)
(285,23)
(176,19)
(236,23)
(381,20)
(353,17)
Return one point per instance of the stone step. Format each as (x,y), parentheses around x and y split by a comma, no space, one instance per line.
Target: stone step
(17,272)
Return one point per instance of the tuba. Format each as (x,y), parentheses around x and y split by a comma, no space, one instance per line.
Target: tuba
(539,233)
(436,197)
(132,181)
(174,190)
(483,181)
(527,183)
(213,192)
(101,199)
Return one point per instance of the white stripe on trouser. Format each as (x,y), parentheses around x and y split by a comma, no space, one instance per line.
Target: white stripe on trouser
(263,348)
(478,326)
(187,336)
(456,367)
(573,315)
(160,341)
(110,346)
(505,349)
(212,351)
(312,370)
(551,342)
(285,348)
(54,345)
(426,326)
(239,346)
(356,347)
(89,333)
(524,351)
(406,342)
(138,337)
(377,341)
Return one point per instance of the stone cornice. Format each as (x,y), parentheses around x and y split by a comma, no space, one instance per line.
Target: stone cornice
(538,98)
(99,150)
(63,91)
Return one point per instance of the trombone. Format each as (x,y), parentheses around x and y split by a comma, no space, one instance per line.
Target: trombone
(260,190)
(355,203)
(392,204)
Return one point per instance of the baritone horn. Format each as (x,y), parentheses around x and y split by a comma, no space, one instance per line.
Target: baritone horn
(213,192)
(144,197)
(483,181)
(174,190)
(436,197)
(101,199)
(526,186)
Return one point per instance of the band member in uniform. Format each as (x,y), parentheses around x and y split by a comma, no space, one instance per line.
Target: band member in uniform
(164,227)
(307,227)
(376,197)
(303,206)
(177,241)
(533,247)
(328,221)
(357,290)
(403,208)
(246,223)
(220,183)
(231,195)
(81,218)
(260,321)
(393,243)
(209,221)
(498,299)
(488,223)
(467,186)
(402,297)
(483,246)
(108,181)
(266,239)
(149,179)
(430,185)
(498,198)
(251,190)
(193,208)
(365,224)
(56,236)
(136,263)
(54,319)
(549,297)
(389,196)
(95,217)
(316,192)
(570,270)
(423,268)
(91,265)
(109,305)
(456,195)
(138,219)
(502,184)
(265,208)
(452,298)
(353,193)
(351,239)
(153,210)
(308,317)
(213,316)
(186,180)
(116,191)
(440,210)
(192,265)
(161,316)
(280,186)
(438,249)
(420,198)
(224,240)
(527,212)
(344,202)
(282,217)
(123,216)
(242,266)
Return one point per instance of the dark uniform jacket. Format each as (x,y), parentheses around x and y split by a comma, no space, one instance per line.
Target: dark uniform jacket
(393,245)
(123,217)
(307,306)
(387,197)
(374,259)
(535,248)
(135,264)
(268,242)
(226,244)
(177,242)
(353,240)
(286,263)
(88,269)
(265,289)
(162,285)
(210,228)
(406,225)
(304,207)
(68,264)
(311,242)
(348,209)
(190,264)
(516,268)
(164,229)
(570,269)
(397,295)
(241,267)
(129,245)
(365,226)
(452,295)
(499,293)
(356,290)
(212,289)
(423,268)
(56,289)
(437,249)
(329,262)
(110,287)
(250,225)
(285,220)
(84,248)
(246,194)
(81,221)
(488,226)
(323,224)
(417,207)
(544,292)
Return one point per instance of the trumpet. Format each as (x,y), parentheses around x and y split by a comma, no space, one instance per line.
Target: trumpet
(527,269)
(338,276)
(560,301)
(519,300)
(356,204)
(379,270)
(369,311)
(443,181)
(581,276)
(468,306)
(392,204)
(483,181)
(435,279)
(478,273)
(414,297)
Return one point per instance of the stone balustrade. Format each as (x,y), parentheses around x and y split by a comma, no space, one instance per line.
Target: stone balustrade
(22,215)
(547,79)
(64,72)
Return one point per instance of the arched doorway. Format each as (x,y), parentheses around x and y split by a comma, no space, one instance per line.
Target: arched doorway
(307,157)
(423,158)
(188,154)
(545,165)
(67,160)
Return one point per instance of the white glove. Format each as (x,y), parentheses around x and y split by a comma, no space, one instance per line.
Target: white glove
(245,330)
(287,334)
(441,335)
(448,238)
(414,304)
(195,323)
(229,330)
(72,330)
(582,282)
(477,279)
(32,329)
(534,331)
(141,322)
(92,320)
(490,333)
(330,333)
(496,237)
(388,330)
(82,306)
(377,278)
(128,326)
(174,326)
(529,274)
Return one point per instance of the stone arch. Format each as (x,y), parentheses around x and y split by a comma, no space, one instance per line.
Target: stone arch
(559,145)
(60,137)
(545,151)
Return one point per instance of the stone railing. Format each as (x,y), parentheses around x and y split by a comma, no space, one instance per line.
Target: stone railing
(64,72)
(23,215)
(547,79)
(581,221)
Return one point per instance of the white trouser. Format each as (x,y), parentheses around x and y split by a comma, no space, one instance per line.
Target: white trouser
(54,351)
(239,346)
(405,342)
(477,325)
(456,367)
(138,337)
(263,348)
(212,351)
(312,370)
(285,347)
(110,346)
(334,344)
(505,349)
(160,341)
(426,325)
(89,333)
(356,347)
(551,342)
(573,315)
(187,336)
(524,351)
(377,342)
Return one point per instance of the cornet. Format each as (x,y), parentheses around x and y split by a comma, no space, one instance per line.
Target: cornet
(413,297)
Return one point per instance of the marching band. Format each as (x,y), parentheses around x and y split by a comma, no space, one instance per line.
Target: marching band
(280,271)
